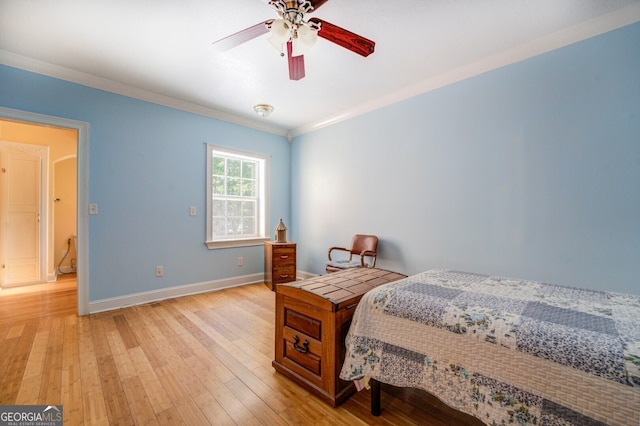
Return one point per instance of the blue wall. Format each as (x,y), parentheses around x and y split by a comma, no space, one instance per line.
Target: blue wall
(529,171)
(146,167)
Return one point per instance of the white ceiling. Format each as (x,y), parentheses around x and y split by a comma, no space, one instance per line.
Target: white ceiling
(160,50)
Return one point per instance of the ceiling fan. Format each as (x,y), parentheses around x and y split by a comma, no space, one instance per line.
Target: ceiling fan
(298,34)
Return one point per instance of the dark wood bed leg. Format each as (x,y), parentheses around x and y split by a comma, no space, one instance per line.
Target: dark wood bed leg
(375,397)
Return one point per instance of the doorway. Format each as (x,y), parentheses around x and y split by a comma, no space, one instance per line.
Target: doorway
(64,215)
(10,118)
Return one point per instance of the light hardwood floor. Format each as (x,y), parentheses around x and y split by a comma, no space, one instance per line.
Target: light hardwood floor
(195,360)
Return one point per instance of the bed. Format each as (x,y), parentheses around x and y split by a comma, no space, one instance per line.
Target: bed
(506,351)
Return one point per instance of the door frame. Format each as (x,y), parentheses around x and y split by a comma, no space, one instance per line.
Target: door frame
(82,186)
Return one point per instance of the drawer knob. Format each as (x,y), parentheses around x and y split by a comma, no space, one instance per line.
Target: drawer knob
(284,256)
(305,345)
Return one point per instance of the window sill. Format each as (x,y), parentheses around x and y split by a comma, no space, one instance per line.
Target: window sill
(212,245)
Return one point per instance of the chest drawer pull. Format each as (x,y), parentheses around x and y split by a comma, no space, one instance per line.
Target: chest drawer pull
(284,256)
(305,345)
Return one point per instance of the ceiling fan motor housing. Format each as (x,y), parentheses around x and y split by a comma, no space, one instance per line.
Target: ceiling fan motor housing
(292,11)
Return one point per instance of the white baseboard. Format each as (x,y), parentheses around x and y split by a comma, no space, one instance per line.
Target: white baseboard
(171,292)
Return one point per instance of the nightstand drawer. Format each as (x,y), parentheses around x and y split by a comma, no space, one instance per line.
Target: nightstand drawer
(284,274)
(283,255)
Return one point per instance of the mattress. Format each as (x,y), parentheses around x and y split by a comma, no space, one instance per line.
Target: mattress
(503,350)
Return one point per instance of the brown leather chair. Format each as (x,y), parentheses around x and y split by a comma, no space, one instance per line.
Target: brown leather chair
(363,247)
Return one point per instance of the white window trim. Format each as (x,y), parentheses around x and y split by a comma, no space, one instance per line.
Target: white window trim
(264,202)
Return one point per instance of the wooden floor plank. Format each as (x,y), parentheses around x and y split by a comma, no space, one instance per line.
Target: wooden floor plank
(128,338)
(156,394)
(11,379)
(71,384)
(89,373)
(138,400)
(213,411)
(227,400)
(94,410)
(115,402)
(7,349)
(170,417)
(174,388)
(34,368)
(256,405)
(50,386)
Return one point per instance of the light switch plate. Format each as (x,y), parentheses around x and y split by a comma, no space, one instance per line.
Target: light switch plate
(93,209)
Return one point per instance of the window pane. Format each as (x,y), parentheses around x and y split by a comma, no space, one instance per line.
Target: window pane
(248,226)
(219,207)
(249,208)
(217,166)
(233,186)
(218,184)
(234,208)
(248,188)
(248,170)
(234,226)
(234,167)
(219,226)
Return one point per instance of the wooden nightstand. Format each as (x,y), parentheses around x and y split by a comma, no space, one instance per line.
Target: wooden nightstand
(312,320)
(279,263)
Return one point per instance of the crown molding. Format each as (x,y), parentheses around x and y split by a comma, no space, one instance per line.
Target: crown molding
(594,27)
(85,79)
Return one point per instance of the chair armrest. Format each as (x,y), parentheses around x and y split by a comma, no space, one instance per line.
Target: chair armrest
(368,253)
(335,248)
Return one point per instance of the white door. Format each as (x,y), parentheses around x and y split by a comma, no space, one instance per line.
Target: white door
(19,217)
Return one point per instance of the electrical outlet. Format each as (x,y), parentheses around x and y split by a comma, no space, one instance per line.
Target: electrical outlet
(192,211)
(93,209)
(159,271)
(240,261)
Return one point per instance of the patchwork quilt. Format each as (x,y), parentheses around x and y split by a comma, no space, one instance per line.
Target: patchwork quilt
(506,351)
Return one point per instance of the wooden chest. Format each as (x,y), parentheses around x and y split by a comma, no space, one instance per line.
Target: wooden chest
(279,263)
(312,321)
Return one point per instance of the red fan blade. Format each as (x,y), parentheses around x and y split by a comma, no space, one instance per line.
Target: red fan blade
(317,3)
(344,38)
(242,36)
(296,64)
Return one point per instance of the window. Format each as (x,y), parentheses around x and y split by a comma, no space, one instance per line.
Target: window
(237,203)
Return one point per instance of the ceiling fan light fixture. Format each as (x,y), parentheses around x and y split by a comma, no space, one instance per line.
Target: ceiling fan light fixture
(292,26)
(304,40)
(263,110)
(280,33)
